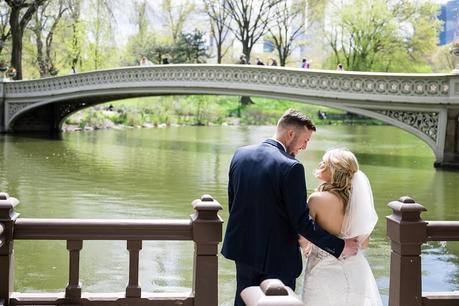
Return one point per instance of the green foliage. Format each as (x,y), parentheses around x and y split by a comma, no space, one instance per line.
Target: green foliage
(93,118)
(380,35)
(443,60)
(204,110)
(373,35)
(175,15)
(190,48)
(140,45)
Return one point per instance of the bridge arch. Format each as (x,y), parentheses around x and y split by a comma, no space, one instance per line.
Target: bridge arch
(416,103)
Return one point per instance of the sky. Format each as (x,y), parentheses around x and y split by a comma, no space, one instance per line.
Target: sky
(125,15)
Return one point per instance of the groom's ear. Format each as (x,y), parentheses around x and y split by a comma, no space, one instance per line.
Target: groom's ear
(291,134)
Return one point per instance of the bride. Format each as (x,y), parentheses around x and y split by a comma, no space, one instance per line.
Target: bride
(342,205)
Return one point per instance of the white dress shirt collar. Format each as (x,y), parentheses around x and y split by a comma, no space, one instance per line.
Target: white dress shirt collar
(285,149)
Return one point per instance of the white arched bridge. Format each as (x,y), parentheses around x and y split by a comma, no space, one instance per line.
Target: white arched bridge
(427,105)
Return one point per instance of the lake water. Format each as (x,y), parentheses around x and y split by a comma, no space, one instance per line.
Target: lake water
(156,173)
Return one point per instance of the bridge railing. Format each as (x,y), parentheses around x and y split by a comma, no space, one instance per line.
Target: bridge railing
(407,232)
(204,228)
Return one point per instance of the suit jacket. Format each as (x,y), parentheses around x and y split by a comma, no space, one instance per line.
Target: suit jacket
(267,211)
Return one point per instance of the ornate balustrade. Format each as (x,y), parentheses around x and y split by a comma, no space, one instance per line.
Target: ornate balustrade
(329,83)
(408,232)
(204,228)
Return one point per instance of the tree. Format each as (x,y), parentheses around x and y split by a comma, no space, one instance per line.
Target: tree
(101,30)
(45,22)
(77,33)
(20,16)
(141,17)
(175,16)
(443,60)
(288,26)
(191,48)
(5,32)
(383,35)
(143,42)
(251,19)
(219,27)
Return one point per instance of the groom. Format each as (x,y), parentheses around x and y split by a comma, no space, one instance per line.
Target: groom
(268,209)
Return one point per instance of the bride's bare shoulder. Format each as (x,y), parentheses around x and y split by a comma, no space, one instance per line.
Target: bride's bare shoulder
(327,209)
(325,200)
(323,196)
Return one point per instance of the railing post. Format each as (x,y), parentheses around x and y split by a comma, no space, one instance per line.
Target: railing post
(207,233)
(7,219)
(407,232)
(133,289)
(73,290)
(270,292)
(2,103)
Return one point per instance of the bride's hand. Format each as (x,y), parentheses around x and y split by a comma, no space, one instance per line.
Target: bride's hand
(364,244)
(305,245)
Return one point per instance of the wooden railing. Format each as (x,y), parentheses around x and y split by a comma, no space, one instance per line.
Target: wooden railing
(204,228)
(407,232)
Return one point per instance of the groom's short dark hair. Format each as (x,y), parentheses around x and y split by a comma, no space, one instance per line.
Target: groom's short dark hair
(293,117)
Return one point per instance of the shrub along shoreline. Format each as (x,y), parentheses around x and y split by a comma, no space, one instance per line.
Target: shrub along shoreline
(201,111)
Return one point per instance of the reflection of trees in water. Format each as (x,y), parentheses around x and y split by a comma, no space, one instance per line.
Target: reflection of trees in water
(165,168)
(441,260)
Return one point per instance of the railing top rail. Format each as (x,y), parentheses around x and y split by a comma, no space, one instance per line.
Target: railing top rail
(443,230)
(98,229)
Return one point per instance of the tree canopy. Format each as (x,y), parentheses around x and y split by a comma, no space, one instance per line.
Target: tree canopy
(49,36)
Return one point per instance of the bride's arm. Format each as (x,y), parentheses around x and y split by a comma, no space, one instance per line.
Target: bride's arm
(305,244)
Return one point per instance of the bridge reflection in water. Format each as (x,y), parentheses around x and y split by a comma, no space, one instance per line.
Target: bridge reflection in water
(426,105)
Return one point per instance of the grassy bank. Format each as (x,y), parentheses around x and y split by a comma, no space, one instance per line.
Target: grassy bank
(201,110)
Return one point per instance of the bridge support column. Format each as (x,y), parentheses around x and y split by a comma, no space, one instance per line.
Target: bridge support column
(451,148)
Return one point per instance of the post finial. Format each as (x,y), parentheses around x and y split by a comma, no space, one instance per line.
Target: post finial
(406,200)
(270,292)
(406,209)
(207,198)
(4,196)
(273,287)
(7,205)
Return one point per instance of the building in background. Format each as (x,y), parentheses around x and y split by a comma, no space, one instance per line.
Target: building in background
(449,14)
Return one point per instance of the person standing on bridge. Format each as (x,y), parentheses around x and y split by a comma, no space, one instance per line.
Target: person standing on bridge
(268,209)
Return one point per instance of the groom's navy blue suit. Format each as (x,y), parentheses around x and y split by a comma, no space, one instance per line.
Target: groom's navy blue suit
(267,211)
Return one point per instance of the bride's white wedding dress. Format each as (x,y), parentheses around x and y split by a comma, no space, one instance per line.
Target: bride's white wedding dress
(329,281)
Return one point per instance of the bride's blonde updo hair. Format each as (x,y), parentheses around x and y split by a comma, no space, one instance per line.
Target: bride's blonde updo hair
(342,164)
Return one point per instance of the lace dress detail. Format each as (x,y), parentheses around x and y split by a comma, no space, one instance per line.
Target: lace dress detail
(330,281)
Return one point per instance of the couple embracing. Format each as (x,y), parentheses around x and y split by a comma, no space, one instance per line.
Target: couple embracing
(270,220)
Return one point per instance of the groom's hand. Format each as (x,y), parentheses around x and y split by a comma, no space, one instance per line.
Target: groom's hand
(351,247)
